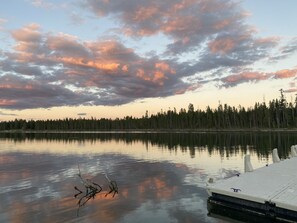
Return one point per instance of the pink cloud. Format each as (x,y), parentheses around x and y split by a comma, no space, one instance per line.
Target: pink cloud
(191,18)
(286,73)
(66,45)
(13,86)
(268,40)
(29,33)
(290,90)
(5,103)
(222,24)
(145,13)
(243,77)
(222,45)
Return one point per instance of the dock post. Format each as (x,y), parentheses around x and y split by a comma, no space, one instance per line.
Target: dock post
(275,157)
(293,151)
(247,164)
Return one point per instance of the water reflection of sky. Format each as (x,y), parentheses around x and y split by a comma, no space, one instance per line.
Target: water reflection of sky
(155,184)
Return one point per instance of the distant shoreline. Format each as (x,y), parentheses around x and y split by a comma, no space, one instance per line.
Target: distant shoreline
(155,130)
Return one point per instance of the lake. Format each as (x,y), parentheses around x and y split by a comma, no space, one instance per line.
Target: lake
(161,177)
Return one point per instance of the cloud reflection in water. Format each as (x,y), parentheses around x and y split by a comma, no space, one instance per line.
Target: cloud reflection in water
(147,190)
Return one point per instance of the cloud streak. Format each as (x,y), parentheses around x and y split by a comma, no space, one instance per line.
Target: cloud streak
(45,69)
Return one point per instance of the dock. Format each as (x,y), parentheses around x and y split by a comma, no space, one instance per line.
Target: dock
(269,192)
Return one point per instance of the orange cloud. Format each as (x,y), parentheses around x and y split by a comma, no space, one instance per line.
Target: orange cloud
(158,77)
(164,67)
(91,64)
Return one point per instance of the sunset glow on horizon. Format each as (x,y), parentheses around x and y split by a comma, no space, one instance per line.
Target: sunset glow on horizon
(109,59)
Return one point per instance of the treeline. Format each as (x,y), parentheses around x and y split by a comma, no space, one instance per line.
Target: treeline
(278,113)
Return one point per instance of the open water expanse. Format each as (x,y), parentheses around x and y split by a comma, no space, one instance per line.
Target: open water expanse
(161,177)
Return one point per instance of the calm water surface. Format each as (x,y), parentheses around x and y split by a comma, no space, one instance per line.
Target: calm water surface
(161,177)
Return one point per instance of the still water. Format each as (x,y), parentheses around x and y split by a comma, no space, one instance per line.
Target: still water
(161,177)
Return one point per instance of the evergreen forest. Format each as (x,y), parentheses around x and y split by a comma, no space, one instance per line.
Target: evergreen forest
(277,114)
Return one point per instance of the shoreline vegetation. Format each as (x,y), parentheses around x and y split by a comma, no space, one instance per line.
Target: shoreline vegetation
(277,115)
(153,131)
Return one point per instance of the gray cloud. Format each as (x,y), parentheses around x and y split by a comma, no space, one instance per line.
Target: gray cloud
(76,19)
(285,51)
(21,93)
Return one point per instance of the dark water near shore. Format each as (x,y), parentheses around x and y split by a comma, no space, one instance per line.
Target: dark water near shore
(161,176)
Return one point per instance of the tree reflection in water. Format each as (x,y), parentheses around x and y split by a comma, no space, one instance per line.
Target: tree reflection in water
(224,142)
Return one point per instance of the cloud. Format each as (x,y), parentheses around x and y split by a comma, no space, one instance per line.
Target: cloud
(285,51)
(21,93)
(47,70)
(213,33)
(292,86)
(2,22)
(235,79)
(29,33)
(76,19)
(291,90)
(287,73)
(7,114)
(188,23)
(42,4)
(208,41)
(250,76)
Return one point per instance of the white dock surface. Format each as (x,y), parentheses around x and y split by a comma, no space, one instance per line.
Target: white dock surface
(276,183)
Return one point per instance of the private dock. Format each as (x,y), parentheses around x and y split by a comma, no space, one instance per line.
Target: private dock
(269,192)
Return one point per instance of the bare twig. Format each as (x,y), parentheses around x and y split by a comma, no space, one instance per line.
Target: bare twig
(92,189)
(113,187)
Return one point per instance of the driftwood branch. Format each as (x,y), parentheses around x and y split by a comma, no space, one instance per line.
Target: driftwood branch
(91,189)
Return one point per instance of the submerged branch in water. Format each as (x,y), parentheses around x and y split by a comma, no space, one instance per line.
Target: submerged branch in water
(91,189)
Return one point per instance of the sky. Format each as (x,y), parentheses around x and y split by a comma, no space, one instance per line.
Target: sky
(110,58)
